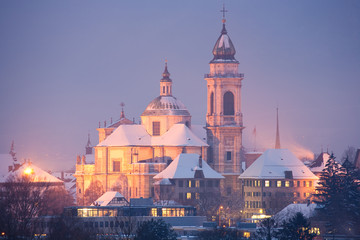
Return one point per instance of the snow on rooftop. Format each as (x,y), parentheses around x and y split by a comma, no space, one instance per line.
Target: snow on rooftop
(273,163)
(184,166)
(320,162)
(178,135)
(36,174)
(290,211)
(106,198)
(164,181)
(136,135)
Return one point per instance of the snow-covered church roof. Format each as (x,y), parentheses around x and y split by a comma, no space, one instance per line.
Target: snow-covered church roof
(273,164)
(185,166)
(136,135)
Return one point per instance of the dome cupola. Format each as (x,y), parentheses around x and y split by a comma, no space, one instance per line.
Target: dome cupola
(224,49)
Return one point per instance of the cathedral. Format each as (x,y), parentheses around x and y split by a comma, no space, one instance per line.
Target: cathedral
(128,155)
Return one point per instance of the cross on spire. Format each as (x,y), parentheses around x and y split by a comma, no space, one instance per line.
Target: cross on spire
(223,13)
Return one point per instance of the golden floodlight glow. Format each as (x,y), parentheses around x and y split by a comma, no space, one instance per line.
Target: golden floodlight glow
(28,171)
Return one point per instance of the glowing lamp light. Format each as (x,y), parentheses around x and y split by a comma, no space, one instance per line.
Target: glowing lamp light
(28,171)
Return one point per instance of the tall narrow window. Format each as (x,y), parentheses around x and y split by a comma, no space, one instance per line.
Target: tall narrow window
(212,103)
(228,103)
(163,89)
(116,166)
(228,156)
(156,128)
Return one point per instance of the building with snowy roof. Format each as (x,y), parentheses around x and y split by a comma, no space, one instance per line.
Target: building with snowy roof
(318,165)
(129,155)
(187,179)
(274,180)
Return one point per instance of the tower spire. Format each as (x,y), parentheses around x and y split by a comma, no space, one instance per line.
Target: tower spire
(277,141)
(88,147)
(122,115)
(166,82)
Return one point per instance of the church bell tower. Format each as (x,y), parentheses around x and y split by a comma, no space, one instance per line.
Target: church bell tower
(224,123)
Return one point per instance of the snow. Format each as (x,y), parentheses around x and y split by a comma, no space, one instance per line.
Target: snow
(107,197)
(136,135)
(273,163)
(37,174)
(290,211)
(319,164)
(199,131)
(164,181)
(178,135)
(184,166)
(224,40)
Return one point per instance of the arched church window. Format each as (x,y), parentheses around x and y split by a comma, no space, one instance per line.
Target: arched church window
(167,89)
(163,89)
(229,103)
(212,103)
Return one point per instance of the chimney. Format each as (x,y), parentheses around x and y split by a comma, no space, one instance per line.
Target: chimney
(200,162)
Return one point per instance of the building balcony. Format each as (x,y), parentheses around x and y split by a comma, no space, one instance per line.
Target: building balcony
(227,75)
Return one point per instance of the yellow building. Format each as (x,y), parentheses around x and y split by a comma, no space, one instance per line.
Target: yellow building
(129,155)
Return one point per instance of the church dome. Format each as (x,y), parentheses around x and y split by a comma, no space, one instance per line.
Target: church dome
(165,105)
(224,48)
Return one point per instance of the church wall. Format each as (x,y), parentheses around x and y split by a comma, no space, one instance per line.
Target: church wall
(166,122)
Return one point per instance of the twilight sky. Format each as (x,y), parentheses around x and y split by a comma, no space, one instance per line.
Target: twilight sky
(66,65)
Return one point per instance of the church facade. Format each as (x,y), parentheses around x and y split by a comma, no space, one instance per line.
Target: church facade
(129,155)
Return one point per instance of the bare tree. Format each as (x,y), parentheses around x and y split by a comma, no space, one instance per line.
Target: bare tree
(21,202)
(349,153)
(93,192)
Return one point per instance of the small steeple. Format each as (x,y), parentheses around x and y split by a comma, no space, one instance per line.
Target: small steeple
(122,115)
(12,152)
(166,82)
(88,147)
(277,141)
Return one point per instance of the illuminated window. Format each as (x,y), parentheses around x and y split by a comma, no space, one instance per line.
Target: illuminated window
(197,183)
(267,183)
(188,195)
(156,128)
(247,234)
(197,195)
(278,183)
(189,183)
(287,184)
(308,183)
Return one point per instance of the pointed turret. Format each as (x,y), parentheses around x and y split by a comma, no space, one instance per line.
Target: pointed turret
(166,83)
(12,152)
(88,147)
(277,141)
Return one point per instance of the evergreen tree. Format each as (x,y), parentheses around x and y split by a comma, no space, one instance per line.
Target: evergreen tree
(297,228)
(266,229)
(155,230)
(338,198)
